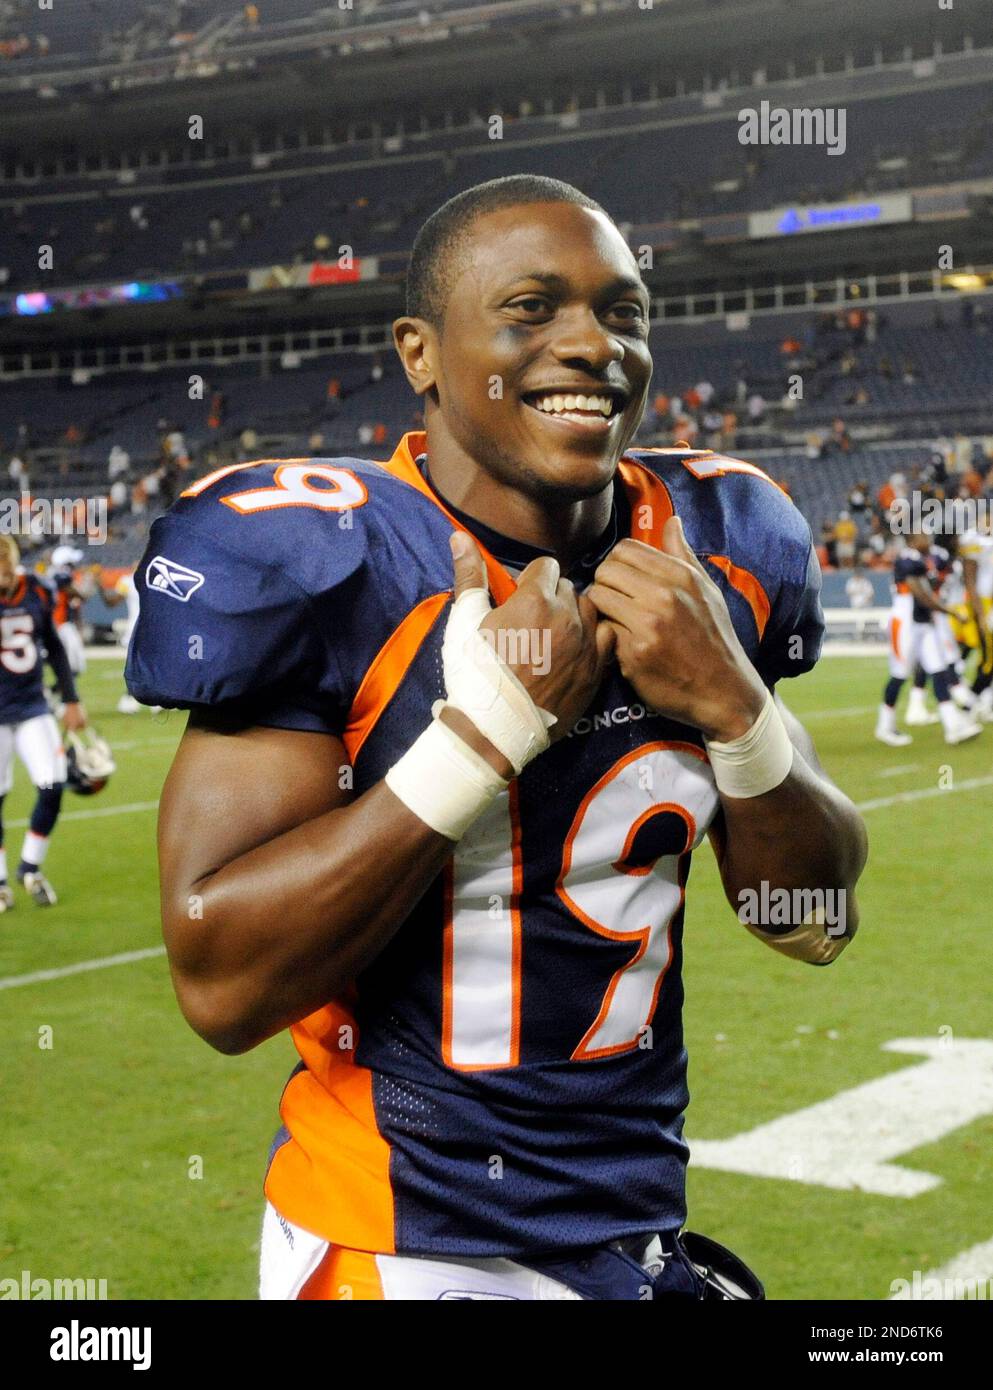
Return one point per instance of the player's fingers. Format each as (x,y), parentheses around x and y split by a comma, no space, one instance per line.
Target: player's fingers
(619,608)
(470,568)
(544,574)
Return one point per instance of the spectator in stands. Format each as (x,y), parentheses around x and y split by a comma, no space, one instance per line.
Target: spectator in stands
(858,499)
(845,538)
(877,539)
(729,430)
(705,392)
(839,435)
(118,494)
(379,433)
(790,346)
(246,222)
(333,390)
(18,474)
(248,443)
(365,435)
(886,368)
(756,407)
(218,406)
(315,444)
(827,541)
(691,399)
(712,423)
(859,590)
(175,443)
(376,370)
(138,218)
(118,462)
(909,372)
(252,15)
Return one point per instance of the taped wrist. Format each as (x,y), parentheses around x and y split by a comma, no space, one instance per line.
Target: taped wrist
(444,781)
(756,762)
(480,684)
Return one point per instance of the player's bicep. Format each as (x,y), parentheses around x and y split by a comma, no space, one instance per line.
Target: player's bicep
(233,788)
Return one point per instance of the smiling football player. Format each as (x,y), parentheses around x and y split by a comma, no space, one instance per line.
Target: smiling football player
(458,720)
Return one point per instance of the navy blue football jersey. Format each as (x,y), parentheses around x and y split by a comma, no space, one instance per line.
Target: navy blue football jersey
(911,564)
(509,1074)
(27,638)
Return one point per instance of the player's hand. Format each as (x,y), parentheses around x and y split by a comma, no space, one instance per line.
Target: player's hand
(74,717)
(549,636)
(676,643)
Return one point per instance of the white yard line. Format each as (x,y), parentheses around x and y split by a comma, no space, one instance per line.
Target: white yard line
(952,1280)
(41,976)
(94,812)
(844,713)
(923,794)
(900,771)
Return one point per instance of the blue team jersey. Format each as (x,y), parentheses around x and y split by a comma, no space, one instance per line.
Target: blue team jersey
(509,1074)
(911,564)
(27,636)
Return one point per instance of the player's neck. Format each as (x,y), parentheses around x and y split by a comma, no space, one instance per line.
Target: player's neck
(567,529)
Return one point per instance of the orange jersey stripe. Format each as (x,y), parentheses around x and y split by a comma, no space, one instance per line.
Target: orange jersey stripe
(344,1275)
(748,586)
(333,1176)
(648,497)
(389,666)
(402,466)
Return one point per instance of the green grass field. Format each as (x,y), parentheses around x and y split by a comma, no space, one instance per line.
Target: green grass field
(101,1128)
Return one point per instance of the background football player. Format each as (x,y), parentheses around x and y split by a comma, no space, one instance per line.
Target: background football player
(27,637)
(915,640)
(976,552)
(447,843)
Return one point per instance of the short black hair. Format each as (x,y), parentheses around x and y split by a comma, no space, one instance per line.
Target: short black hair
(435,251)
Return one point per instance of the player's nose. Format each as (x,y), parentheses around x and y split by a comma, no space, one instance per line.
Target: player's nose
(583,338)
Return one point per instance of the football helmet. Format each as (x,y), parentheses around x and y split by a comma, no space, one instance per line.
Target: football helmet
(89,762)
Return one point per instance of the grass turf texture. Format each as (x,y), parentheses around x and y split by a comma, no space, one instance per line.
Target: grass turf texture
(103,1128)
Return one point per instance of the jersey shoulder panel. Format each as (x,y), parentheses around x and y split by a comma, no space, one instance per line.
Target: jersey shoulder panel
(291,573)
(756,544)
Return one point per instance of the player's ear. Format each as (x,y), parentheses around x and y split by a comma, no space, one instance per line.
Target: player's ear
(417,346)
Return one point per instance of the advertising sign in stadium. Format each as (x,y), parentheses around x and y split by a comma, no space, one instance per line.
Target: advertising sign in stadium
(831,217)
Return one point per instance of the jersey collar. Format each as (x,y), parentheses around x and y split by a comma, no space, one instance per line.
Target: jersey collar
(642,506)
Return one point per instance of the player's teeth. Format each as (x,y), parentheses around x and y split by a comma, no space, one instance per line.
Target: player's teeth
(558,402)
(570,402)
(606,406)
(582,402)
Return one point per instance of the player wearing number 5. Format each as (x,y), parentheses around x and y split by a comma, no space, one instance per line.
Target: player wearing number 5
(447,842)
(28,637)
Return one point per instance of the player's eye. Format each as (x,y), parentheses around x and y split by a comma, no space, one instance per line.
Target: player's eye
(531,303)
(628,311)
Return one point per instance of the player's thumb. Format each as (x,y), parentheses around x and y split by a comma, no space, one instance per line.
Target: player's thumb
(674,542)
(470,568)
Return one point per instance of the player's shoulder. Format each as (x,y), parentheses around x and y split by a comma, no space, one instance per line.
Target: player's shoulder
(317,520)
(40,586)
(731,507)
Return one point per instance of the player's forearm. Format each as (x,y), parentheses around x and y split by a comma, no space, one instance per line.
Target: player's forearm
(804,834)
(285,928)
